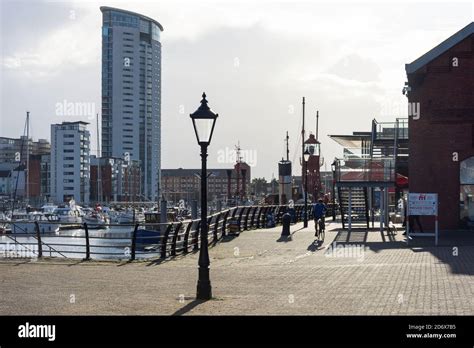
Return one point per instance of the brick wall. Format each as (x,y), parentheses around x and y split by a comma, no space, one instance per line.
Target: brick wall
(446,125)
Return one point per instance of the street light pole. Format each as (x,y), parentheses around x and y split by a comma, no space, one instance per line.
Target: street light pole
(333,167)
(305,223)
(204,120)
(306,155)
(204,290)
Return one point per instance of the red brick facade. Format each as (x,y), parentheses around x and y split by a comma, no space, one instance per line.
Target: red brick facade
(445,94)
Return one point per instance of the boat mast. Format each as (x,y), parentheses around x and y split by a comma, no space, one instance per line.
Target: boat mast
(99,179)
(27,173)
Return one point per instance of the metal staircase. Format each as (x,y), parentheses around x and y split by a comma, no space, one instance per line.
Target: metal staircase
(359,208)
(383,153)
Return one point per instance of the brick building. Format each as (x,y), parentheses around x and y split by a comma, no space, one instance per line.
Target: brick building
(11,147)
(440,93)
(223,184)
(119,180)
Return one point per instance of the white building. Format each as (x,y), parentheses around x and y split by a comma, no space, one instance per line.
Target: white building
(70,162)
(131,92)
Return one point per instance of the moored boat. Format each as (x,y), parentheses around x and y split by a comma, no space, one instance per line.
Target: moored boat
(26,222)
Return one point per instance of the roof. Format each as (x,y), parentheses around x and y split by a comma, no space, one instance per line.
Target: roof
(180,172)
(351,141)
(440,49)
(107,8)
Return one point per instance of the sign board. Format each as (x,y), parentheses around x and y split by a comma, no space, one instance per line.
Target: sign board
(423,204)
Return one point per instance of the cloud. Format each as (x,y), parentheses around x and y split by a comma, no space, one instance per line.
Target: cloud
(254,60)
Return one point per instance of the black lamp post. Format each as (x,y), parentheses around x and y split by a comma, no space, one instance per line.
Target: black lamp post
(333,168)
(306,155)
(204,121)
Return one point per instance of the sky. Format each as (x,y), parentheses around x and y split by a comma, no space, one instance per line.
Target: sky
(255,61)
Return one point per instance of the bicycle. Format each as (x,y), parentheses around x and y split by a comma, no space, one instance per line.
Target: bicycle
(321,231)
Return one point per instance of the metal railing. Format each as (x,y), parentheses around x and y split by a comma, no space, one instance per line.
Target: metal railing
(390,130)
(140,240)
(365,170)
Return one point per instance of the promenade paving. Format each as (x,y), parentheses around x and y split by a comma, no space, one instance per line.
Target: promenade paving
(259,273)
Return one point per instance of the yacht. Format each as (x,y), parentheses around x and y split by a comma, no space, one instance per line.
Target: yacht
(95,220)
(69,217)
(22,222)
(130,216)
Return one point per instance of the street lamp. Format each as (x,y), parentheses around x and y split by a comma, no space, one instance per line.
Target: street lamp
(204,121)
(306,155)
(333,168)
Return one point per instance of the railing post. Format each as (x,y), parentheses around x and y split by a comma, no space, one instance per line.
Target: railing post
(88,251)
(216,227)
(264,219)
(175,238)
(134,242)
(258,217)
(196,236)
(186,236)
(224,223)
(38,237)
(246,223)
(164,241)
(254,211)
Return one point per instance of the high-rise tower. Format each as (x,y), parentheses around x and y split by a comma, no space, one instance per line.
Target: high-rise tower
(131,93)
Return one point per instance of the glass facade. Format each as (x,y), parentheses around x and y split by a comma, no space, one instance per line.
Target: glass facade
(467,192)
(131,92)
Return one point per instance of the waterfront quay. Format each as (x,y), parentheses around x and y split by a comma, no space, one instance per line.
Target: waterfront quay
(259,272)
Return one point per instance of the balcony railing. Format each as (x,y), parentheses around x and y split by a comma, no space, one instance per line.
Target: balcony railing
(388,130)
(365,170)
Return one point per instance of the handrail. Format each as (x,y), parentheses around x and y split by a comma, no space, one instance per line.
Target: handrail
(163,240)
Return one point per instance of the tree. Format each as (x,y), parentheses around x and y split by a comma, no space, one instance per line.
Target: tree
(258,186)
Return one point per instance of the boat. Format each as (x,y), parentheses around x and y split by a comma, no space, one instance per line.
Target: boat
(95,220)
(4,223)
(130,216)
(69,217)
(149,236)
(48,208)
(26,222)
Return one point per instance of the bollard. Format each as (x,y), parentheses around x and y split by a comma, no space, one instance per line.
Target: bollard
(88,250)
(38,237)
(286,221)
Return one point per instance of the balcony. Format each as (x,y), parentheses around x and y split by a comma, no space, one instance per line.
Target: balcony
(365,172)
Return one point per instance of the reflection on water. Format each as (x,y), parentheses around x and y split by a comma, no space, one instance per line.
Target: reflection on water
(108,244)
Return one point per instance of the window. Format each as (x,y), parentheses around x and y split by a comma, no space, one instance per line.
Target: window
(467,192)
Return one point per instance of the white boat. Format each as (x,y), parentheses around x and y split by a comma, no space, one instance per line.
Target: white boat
(69,217)
(130,217)
(25,222)
(95,220)
(48,208)
(4,223)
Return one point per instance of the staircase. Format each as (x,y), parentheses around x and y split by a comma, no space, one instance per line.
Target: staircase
(359,205)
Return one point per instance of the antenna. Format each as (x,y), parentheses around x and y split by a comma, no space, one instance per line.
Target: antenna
(27,156)
(99,174)
(317,123)
(239,158)
(287,147)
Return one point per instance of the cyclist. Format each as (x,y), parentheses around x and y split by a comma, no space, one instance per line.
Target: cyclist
(319,212)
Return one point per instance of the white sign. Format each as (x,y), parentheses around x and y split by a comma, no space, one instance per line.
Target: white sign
(423,204)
